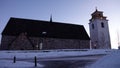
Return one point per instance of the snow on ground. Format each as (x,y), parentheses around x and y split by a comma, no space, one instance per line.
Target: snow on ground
(6,57)
(51,53)
(109,61)
(18,64)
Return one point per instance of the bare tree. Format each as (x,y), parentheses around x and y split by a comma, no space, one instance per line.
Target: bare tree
(118,40)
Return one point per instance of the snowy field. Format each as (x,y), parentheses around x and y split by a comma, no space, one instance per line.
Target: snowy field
(109,61)
(6,57)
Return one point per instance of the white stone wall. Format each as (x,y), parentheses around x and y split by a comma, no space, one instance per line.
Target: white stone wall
(100,36)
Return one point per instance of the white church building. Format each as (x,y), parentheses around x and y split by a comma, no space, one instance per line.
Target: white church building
(99,31)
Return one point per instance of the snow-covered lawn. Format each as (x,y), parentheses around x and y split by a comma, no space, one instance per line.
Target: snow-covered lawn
(109,61)
(51,53)
(6,57)
(18,64)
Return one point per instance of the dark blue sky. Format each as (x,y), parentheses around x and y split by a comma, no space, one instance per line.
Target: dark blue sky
(67,11)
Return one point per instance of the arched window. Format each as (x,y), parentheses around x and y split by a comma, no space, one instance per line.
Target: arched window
(92,26)
(102,24)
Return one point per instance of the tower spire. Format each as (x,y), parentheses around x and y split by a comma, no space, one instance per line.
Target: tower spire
(96,8)
(51,18)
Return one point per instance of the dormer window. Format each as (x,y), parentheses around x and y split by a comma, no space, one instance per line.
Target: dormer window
(101,17)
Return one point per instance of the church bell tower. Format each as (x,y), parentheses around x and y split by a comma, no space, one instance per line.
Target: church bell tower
(99,31)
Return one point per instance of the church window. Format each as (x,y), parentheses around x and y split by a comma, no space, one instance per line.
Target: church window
(102,25)
(92,26)
(101,18)
(99,14)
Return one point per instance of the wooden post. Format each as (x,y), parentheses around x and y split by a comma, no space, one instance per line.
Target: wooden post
(35,61)
(14,59)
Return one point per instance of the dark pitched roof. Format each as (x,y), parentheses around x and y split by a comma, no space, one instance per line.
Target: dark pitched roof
(37,28)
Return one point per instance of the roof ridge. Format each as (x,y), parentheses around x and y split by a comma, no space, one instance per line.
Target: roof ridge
(46,21)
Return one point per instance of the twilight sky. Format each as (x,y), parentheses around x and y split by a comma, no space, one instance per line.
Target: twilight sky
(67,11)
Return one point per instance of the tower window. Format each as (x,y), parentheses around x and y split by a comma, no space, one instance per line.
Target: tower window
(92,26)
(102,25)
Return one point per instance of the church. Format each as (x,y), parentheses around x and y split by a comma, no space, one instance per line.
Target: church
(27,34)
